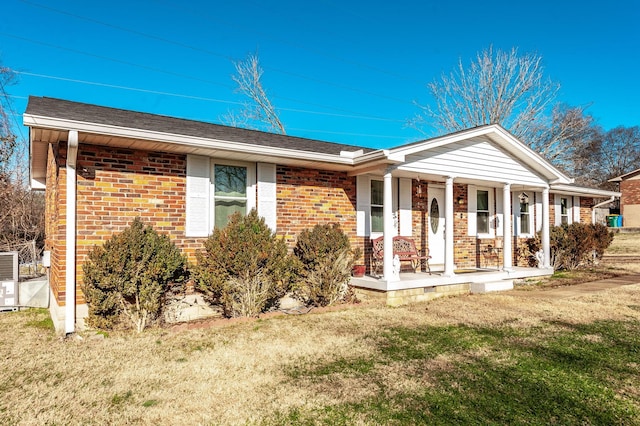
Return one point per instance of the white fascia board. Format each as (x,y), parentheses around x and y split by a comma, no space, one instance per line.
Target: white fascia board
(580,190)
(370,156)
(178,139)
(434,143)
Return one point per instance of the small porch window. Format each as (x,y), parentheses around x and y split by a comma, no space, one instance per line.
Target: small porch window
(377,200)
(564,211)
(525,217)
(482,211)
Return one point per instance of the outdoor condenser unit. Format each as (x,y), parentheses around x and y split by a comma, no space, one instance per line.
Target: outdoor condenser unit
(8,280)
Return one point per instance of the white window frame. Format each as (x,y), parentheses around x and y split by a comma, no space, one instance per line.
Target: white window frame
(517,215)
(375,234)
(401,206)
(491,213)
(213,197)
(210,205)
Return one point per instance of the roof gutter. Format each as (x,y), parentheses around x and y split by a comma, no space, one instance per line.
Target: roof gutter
(185,140)
(70,262)
(593,209)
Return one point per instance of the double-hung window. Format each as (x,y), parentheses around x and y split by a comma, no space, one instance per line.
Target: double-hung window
(230,193)
(216,190)
(482,212)
(564,211)
(377,200)
(525,218)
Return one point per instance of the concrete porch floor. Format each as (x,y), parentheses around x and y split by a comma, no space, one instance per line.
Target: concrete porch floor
(419,286)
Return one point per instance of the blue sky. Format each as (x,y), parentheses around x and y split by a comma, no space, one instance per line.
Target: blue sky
(337,70)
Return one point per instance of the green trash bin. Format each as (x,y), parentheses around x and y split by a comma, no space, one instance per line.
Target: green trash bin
(612,221)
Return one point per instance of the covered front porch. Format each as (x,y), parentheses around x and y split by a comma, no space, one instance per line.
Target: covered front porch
(457,197)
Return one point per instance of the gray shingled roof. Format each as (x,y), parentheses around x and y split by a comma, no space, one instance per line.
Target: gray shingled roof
(89,113)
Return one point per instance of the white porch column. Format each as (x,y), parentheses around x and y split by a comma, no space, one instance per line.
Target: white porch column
(448,228)
(546,244)
(507,261)
(387,217)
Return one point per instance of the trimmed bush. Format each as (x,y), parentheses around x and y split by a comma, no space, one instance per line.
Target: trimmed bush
(325,260)
(243,268)
(572,245)
(127,279)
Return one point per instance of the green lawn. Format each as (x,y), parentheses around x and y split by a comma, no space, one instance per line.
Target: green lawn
(484,359)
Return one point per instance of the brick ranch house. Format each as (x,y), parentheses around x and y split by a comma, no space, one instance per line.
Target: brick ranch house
(629,186)
(102,167)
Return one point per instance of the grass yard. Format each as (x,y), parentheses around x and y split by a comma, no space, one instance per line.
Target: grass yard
(484,359)
(625,244)
(504,358)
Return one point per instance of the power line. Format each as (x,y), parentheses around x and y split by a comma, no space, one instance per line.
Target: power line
(288,42)
(185,76)
(200,98)
(217,54)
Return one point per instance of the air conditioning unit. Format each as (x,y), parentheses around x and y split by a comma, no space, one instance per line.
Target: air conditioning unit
(9,275)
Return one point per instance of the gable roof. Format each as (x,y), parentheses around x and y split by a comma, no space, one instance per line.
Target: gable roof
(498,136)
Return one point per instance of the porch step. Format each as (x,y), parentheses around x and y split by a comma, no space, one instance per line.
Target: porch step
(487,287)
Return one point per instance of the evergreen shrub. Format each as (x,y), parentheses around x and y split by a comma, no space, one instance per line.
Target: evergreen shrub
(573,245)
(127,280)
(324,263)
(244,268)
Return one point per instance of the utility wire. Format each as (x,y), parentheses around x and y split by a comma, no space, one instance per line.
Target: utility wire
(199,98)
(213,53)
(183,75)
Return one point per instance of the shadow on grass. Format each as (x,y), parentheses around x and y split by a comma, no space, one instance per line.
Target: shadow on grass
(559,373)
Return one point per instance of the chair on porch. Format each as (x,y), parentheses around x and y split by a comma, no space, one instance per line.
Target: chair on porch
(404,248)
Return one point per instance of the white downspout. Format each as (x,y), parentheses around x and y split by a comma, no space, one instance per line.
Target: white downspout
(70,263)
(593,209)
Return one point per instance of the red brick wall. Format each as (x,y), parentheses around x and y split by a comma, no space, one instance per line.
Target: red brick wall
(114,186)
(586,205)
(630,189)
(55,218)
(307,197)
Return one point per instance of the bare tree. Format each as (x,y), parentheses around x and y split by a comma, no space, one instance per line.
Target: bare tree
(8,142)
(561,136)
(509,89)
(21,210)
(259,107)
(609,154)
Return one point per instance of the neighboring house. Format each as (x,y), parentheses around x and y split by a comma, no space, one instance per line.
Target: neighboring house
(458,196)
(629,186)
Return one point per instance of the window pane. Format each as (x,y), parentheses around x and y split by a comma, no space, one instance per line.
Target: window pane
(524,223)
(563,205)
(377,223)
(225,208)
(231,181)
(377,192)
(483,201)
(483,222)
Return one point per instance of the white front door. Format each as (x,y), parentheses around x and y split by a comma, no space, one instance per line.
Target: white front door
(436,224)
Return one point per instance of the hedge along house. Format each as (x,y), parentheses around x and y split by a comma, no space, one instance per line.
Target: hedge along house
(458,196)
